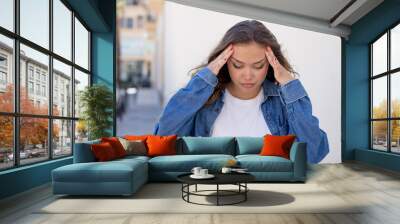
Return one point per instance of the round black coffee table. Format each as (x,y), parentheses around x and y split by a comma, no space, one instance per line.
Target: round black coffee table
(238,179)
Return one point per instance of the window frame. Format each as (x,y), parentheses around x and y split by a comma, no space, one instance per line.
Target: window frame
(3,69)
(388,74)
(16,115)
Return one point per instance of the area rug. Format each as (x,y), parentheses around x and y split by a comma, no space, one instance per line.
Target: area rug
(167,198)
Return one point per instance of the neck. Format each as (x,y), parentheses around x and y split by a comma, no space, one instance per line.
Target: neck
(236,92)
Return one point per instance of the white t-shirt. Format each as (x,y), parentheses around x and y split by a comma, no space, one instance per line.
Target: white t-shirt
(241,117)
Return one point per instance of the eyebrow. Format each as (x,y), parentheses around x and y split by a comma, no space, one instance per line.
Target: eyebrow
(253,63)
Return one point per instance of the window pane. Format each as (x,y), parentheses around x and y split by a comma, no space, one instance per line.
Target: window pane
(395,94)
(62,138)
(395,47)
(379,135)
(395,135)
(35,21)
(81,131)
(6,142)
(81,81)
(34,97)
(379,55)
(379,100)
(7,14)
(81,45)
(6,74)
(33,139)
(62,89)
(62,29)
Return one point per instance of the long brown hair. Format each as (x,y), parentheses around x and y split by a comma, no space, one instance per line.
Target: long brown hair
(243,32)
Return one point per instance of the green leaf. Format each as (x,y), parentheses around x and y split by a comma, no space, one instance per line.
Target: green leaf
(96,102)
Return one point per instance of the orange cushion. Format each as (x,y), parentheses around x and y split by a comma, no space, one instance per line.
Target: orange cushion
(277,145)
(103,151)
(116,145)
(161,145)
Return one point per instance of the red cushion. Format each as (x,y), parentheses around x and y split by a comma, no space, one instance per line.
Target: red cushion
(116,145)
(277,145)
(103,151)
(161,145)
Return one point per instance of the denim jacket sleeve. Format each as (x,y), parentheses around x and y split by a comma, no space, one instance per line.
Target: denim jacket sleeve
(302,123)
(179,113)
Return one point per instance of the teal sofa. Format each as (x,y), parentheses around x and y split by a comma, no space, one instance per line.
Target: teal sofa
(125,176)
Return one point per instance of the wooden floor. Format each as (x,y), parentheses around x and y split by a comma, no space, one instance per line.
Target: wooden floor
(378,188)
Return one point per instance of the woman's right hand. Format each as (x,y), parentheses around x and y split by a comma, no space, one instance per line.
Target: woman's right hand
(219,61)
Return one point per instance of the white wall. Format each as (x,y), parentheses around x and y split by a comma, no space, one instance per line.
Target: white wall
(191,34)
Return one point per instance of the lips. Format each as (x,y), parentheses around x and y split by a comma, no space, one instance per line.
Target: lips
(247,85)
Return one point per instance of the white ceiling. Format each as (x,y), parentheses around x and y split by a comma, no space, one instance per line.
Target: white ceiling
(326,16)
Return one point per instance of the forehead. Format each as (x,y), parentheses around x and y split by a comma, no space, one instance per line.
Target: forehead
(248,52)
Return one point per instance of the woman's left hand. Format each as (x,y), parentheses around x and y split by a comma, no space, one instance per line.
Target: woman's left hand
(282,75)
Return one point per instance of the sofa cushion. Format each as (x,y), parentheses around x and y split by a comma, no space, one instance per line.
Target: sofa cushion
(185,163)
(83,152)
(131,158)
(103,151)
(116,145)
(275,145)
(257,163)
(137,137)
(206,145)
(111,171)
(161,145)
(249,145)
(134,147)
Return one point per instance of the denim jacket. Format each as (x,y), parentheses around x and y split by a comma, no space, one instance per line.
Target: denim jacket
(287,110)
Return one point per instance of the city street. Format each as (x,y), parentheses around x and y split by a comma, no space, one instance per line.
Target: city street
(139,113)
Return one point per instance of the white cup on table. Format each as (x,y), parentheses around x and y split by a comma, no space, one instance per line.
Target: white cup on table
(196,170)
(203,172)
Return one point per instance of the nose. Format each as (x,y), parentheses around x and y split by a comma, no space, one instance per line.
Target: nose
(247,74)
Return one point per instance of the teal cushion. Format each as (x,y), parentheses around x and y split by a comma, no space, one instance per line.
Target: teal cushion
(249,145)
(83,152)
(257,163)
(206,145)
(111,171)
(185,163)
(133,158)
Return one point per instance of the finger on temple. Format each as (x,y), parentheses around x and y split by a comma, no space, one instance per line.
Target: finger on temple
(271,52)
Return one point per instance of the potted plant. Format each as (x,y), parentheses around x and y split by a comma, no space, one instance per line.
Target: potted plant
(96,102)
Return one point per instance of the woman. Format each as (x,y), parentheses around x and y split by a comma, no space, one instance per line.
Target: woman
(247,88)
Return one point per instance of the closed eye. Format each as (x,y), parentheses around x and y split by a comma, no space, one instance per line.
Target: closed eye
(256,67)
(236,66)
(260,66)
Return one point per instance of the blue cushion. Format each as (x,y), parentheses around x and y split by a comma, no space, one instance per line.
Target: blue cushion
(133,158)
(83,153)
(257,163)
(249,145)
(118,177)
(184,163)
(111,171)
(206,145)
